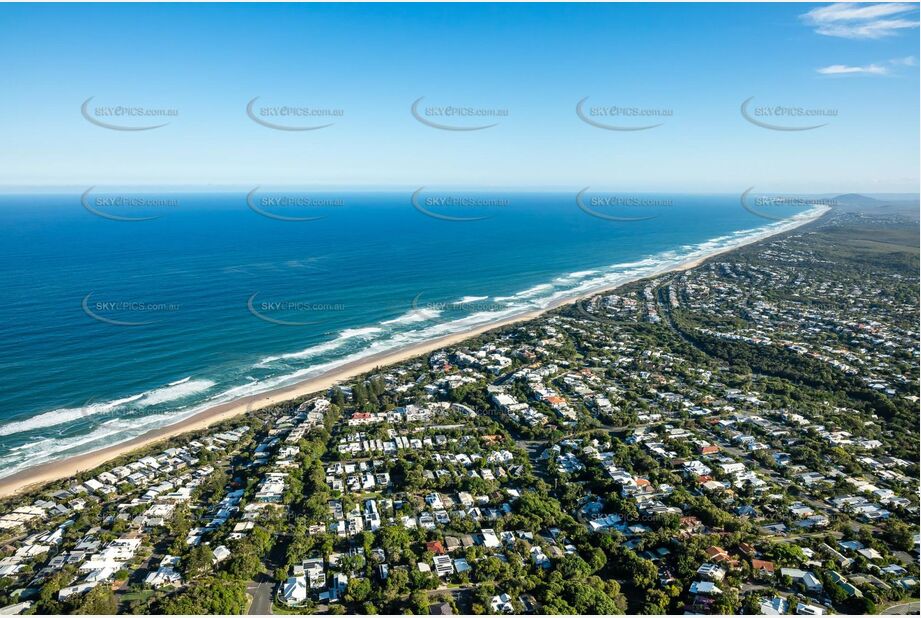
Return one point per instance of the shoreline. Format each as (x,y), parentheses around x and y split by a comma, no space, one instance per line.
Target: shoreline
(30,478)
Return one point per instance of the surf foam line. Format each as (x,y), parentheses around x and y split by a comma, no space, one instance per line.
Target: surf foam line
(321,348)
(173,391)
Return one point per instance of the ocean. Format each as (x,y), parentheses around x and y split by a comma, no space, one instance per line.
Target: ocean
(127,312)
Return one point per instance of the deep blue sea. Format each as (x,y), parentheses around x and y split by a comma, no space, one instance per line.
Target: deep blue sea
(112,327)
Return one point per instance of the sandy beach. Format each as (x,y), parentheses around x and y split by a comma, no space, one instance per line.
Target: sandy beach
(51,471)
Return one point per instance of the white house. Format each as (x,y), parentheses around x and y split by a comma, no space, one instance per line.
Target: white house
(295,590)
(502,604)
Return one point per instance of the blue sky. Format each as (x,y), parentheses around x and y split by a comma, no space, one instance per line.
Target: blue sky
(536,61)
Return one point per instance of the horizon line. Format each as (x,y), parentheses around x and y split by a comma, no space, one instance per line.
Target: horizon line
(14,190)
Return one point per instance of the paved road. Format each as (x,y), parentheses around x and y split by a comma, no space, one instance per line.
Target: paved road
(262,597)
(904,609)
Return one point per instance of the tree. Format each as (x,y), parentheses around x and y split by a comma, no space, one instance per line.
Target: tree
(728,602)
(179,526)
(491,569)
(786,553)
(899,535)
(358,589)
(209,596)
(588,597)
(198,562)
(573,566)
(860,605)
(397,583)
(394,539)
(656,602)
(419,602)
(597,560)
(244,565)
(751,605)
(99,600)
(47,596)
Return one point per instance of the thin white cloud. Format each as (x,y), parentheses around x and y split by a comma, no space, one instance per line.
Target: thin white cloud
(867,69)
(907,61)
(843,69)
(862,21)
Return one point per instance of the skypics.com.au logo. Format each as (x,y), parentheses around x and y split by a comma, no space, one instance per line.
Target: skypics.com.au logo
(126,117)
(118,206)
(785,117)
(622,118)
(129,313)
(761,205)
(293,117)
(618,206)
(291,312)
(452,206)
(457,117)
(293,207)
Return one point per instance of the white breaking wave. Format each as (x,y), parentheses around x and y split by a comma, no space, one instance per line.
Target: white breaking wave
(647,261)
(537,289)
(62,415)
(351,333)
(173,391)
(530,292)
(572,277)
(235,392)
(328,346)
(32,445)
(36,453)
(470,299)
(414,316)
(176,390)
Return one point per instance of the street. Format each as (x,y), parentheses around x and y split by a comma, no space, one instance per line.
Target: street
(903,609)
(261,594)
